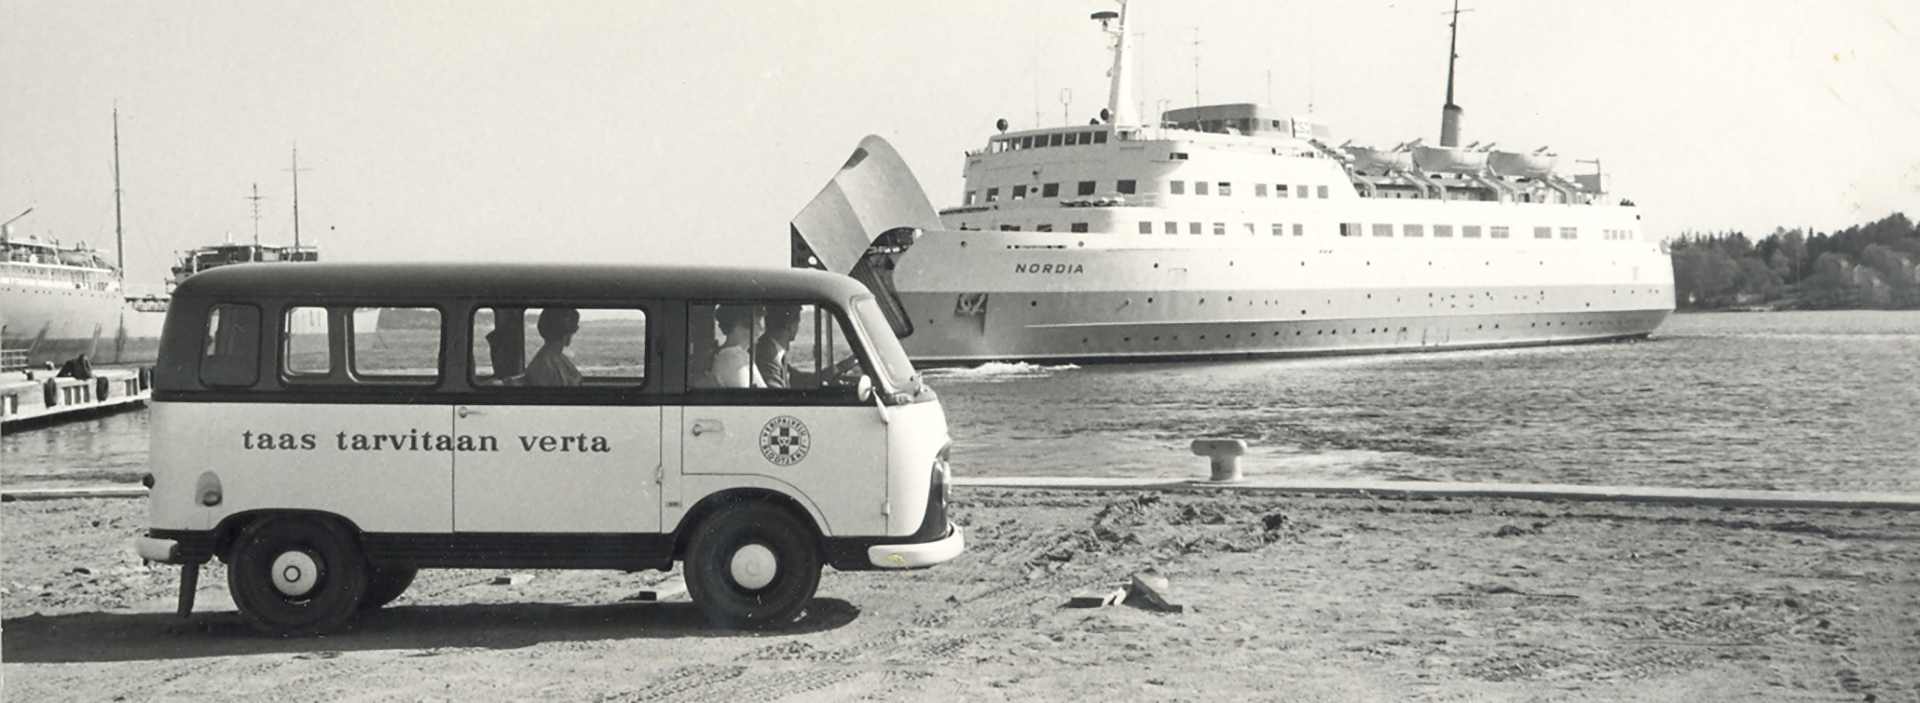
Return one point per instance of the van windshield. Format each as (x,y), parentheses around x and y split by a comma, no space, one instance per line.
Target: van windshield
(896,369)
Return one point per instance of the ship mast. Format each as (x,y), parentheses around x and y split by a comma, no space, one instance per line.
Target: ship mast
(1450,114)
(119,234)
(256,215)
(1120,110)
(296,200)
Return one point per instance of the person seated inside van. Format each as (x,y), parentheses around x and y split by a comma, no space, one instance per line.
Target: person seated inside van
(770,353)
(550,366)
(733,365)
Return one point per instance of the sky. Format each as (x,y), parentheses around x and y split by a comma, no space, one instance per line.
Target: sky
(677,132)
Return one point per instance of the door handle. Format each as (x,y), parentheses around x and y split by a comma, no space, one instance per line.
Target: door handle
(465,411)
(701,427)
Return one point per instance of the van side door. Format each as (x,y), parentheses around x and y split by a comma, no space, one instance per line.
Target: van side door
(790,420)
(564,438)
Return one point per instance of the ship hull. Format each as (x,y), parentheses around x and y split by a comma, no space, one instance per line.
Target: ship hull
(998,296)
(54,325)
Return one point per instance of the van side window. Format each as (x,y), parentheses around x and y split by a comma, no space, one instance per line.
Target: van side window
(720,343)
(818,355)
(771,345)
(231,356)
(307,349)
(396,344)
(559,345)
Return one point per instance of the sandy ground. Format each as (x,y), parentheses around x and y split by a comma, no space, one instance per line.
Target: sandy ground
(1287,598)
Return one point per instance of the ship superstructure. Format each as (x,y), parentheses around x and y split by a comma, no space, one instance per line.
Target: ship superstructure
(1232,230)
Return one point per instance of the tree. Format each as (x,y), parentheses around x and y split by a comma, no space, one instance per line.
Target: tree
(1831,284)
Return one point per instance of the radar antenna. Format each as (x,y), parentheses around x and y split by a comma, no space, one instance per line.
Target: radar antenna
(1120,107)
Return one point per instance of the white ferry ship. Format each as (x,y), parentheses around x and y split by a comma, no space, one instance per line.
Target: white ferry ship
(1230,230)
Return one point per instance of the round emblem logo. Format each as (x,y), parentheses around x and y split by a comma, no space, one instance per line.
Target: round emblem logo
(784,441)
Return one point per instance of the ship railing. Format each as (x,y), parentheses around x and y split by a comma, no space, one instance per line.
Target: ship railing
(13,360)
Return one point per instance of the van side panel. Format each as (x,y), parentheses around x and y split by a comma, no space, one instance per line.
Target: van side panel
(835,456)
(176,456)
(386,468)
(558,469)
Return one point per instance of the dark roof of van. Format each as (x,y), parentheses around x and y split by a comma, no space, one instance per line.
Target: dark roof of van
(517,280)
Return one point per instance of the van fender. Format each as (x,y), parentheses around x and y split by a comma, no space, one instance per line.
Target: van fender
(230,526)
(730,488)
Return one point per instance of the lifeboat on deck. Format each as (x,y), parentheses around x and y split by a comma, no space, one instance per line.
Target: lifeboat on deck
(1367,158)
(1446,159)
(1523,165)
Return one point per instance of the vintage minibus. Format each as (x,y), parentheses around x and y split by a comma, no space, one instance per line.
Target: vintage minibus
(326,430)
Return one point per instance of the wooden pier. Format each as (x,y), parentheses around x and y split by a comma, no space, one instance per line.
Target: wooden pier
(40,396)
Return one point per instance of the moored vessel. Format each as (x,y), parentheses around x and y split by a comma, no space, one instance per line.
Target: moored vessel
(58,302)
(1230,230)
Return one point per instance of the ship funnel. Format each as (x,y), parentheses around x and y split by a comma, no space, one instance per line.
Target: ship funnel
(1120,108)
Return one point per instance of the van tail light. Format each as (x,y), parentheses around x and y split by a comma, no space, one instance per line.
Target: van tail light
(207,489)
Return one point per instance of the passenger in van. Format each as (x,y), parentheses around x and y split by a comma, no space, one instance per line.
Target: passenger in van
(702,342)
(550,366)
(733,365)
(770,353)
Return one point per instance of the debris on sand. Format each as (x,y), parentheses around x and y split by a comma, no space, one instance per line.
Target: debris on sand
(1098,597)
(1156,592)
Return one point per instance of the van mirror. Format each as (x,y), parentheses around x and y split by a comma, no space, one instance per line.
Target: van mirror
(865,388)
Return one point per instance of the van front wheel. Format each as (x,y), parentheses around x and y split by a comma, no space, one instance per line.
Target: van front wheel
(293,575)
(752,565)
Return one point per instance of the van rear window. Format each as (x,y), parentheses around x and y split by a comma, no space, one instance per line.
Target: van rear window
(231,356)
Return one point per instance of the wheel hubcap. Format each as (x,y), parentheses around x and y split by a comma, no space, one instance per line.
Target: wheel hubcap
(753,566)
(295,573)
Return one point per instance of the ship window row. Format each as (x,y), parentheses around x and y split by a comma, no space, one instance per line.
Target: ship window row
(1130,187)
(1618,234)
(1260,190)
(1355,229)
(1048,190)
(1040,141)
(1047,227)
(1172,227)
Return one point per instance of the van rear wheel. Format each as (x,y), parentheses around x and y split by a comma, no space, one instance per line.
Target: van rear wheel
(752,565)
(296,576)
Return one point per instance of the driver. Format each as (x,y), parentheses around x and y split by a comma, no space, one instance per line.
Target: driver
(770,353)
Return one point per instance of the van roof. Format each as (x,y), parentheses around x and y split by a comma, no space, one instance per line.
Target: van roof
(533,281)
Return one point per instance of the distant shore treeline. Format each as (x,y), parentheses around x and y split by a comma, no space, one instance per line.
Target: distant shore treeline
(1875,266)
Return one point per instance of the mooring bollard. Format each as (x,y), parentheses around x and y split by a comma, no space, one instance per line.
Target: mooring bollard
(1225,455)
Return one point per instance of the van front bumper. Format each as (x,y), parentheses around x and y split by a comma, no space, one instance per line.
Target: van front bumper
(918,555)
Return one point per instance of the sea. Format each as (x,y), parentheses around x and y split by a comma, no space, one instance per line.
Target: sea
(1805,401)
